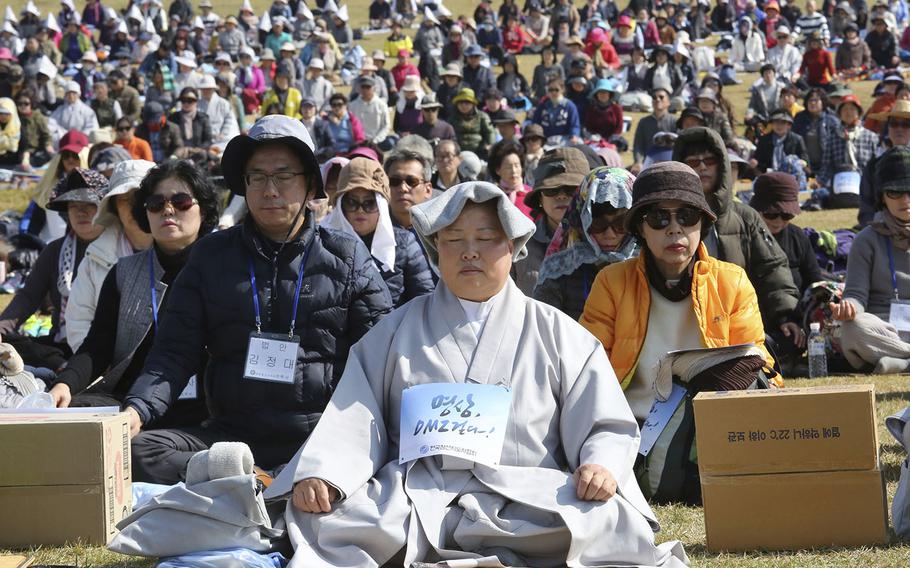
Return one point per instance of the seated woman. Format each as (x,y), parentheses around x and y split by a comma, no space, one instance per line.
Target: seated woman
(569,438)
(121,237)
(878,276)
(674,295)
(361,208)
(76,197)
(176,204)
(592,235)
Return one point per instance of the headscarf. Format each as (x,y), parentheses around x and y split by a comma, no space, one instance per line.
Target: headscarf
(572,246)
(9,134)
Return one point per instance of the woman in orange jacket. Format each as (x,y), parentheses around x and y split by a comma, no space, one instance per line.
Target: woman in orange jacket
(674,295)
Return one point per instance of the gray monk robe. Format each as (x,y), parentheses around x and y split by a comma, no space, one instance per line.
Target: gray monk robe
(567,410)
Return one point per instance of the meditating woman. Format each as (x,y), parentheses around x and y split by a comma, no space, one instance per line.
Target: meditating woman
(874,328)
(562,473)
(592,235)
(76,198)
(176,204)
(361,208)
(674,295)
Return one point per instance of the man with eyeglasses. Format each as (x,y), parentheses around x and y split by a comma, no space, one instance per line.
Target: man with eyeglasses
(409,183)
(660,120)
(740,236)
(896,135)
(433,128)
(447,156)
(276,302)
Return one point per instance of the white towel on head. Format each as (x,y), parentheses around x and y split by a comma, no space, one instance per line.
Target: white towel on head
(383,245)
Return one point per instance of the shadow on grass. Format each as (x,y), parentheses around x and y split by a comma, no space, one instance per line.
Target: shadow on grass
(893,395)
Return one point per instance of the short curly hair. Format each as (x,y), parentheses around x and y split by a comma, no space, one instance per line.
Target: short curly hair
(498,153)
(199,184)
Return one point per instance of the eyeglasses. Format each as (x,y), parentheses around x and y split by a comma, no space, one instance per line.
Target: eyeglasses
(775,216)
(899,124)
(337,105)
(187,101)
(23,103)
(601,224)
(259,180)
(891,194)
(411,181)
(123,129)
(179,201)
(553,90)
(351,205)
(566,190)
(659,219)
(695,163)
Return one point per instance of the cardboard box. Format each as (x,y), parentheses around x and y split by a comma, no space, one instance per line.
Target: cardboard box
(63,478)
(794,511)
(786,430)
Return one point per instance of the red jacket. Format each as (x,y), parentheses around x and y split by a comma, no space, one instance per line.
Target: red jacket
(399,72)
(818,66)
(607,51)
(514,40)
(606,121)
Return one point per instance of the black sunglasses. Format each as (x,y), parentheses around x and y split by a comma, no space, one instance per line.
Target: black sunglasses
(179,201)
(351,205)
(891,194)
(566,190)
(412,181)
(601,224)
(775,216)
(123,129)
(659,219)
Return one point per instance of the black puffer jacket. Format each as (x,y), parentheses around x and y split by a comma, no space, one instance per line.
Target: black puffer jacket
(211,308)
(412,276)
(740,235)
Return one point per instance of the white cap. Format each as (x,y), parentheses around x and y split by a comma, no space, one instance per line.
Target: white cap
(90,56)
(10,15)
(134,13)
(343,13)
(51,23)
(246,6)
(330,7)
(149,26)
(30,8)
(222,56)
(73,87)
(207,82)
(265,22)
(317,63)
(121,28)
(126,177)
(186,58)
(47,67)
(428,15)
(815,326)
(304,11)
(9,28)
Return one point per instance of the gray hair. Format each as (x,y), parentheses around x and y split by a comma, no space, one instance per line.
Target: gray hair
(405,155)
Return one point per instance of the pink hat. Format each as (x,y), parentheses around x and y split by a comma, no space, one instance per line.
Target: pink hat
(597,35)
(624,21)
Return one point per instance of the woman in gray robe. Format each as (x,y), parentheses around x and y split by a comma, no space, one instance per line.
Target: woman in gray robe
(562,493)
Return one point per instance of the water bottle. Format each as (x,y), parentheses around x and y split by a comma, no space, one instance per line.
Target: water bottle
(818,356)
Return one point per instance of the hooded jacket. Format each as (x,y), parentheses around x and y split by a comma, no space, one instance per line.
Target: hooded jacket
(741,237)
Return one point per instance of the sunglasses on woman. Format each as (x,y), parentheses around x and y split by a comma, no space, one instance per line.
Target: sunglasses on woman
(775,216)
(660,218)
(179,201)
(566,190)
(351,205)
(708,161)
(601,224)
(891,194)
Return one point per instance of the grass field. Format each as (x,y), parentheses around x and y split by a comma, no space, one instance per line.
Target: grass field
(683,523)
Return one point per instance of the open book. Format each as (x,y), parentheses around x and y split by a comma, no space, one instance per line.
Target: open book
(688,363)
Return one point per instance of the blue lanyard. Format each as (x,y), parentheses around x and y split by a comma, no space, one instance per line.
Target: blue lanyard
(891,266)
(255,291)
(154,291)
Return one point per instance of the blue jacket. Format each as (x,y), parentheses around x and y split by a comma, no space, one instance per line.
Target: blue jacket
(558,120)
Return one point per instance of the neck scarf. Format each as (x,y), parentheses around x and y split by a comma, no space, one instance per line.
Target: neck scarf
(884,223)
(850,134)
(187,122)
(673,291)
(66,265)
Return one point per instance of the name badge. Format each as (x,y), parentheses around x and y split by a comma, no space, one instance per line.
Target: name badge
(846,182)
(900,317)
(271,357)
(461,420)
(190,391)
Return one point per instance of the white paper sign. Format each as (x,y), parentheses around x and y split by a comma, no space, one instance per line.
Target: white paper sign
(189,391)
(657,419)
(463,420)
(271,357)
(846,182)
(900,317)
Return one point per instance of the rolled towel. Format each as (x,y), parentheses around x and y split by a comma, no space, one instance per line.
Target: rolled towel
(10,360)
(223,459)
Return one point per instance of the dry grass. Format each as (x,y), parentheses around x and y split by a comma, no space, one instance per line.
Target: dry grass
(682,523)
